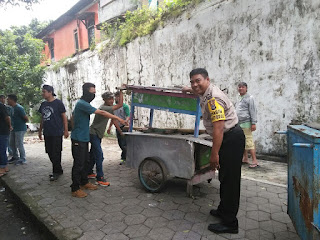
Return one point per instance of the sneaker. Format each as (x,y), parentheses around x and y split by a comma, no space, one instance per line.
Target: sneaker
(79,194)
(20,162)
(103,182)
(12,160)
(92,176)
(54,177)
(89,186)
(122,162)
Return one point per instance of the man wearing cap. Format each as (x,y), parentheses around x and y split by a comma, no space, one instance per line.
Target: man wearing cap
(55,125)
(221,122)
(97,130)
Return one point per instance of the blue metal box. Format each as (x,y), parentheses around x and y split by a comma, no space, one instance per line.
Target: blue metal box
(304,180)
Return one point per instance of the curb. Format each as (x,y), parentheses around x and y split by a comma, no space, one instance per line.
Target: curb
(282,159)
(42,228)
(265,181)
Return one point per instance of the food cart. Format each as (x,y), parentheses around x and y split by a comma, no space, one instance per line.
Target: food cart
(159,154)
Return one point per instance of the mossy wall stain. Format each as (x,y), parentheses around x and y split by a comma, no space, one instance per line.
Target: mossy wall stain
(71,67)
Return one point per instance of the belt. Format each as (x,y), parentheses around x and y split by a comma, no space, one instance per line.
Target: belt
(231,129)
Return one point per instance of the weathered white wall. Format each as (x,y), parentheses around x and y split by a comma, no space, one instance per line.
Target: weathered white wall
(113,8)
(273,45)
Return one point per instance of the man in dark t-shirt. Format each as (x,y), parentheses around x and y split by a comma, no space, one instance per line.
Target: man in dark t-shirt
(54,124)
(5,128)
(10,112)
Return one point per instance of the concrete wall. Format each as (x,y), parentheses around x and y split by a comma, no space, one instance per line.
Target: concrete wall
(113,8)
(273,45)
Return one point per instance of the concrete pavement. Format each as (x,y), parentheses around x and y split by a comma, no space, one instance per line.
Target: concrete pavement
(125,211)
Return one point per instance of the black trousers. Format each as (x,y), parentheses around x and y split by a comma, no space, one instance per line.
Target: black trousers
(80,154)
(122,144)
(230,159)
(53,145)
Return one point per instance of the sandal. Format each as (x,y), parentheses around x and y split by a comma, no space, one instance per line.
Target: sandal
(254,166)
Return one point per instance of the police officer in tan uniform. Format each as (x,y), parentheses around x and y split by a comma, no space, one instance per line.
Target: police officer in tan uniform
(228,141)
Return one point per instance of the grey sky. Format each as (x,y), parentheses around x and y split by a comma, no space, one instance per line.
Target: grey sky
(46,10)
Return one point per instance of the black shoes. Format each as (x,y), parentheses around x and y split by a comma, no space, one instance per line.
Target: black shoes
(215,213)
(54,176)
(12,160)
(221,228)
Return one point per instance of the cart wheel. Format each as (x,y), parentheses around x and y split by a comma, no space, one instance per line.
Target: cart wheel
(152,174)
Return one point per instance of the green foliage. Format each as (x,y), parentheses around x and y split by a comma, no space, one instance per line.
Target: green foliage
(20,72)
(35,116)
(92,46)
(61,63)
(33,28)
(144,21)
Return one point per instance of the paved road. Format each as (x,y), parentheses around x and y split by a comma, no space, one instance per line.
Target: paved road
(125,211)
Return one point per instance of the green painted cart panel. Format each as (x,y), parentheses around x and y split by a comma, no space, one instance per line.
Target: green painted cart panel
(203,154)
(188,104)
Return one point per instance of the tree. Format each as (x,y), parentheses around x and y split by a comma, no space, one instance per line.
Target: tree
(20,70)
(33,29)
(26,3)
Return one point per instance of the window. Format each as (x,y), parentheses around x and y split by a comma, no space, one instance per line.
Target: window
(91,31)
(76,40)
(51,48)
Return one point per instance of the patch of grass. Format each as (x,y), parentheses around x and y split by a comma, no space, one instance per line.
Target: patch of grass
(61,63)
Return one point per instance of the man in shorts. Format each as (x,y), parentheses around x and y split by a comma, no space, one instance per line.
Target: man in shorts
(247,115)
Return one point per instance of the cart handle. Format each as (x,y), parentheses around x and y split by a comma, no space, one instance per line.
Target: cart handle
(315,226)
(304,145)
(280,132)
